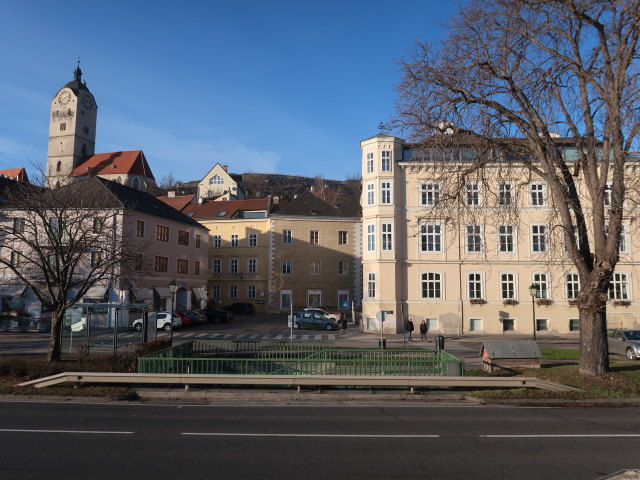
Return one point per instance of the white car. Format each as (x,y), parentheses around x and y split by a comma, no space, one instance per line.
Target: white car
(163,321)
(325,313)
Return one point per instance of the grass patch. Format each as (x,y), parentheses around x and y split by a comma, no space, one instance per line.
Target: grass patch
(560,354)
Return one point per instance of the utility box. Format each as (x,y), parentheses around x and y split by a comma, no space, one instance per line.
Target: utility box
(504,354)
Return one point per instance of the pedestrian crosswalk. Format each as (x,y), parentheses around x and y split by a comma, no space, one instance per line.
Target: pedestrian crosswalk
(239,336)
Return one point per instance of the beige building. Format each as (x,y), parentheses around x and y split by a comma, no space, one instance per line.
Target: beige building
(218,184)
(468,269)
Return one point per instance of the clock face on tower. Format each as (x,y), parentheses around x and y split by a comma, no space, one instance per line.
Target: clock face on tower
(86,101)
(64,98)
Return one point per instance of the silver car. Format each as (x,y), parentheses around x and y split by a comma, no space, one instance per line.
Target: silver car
(624,342)
(312,320)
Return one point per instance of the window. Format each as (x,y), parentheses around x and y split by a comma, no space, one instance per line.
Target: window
(183,266)
(371,238)
(385,193)
(314,267)
(542,325)
(431,285)
(183,238)
(161,264)
(287,267)
(18,225)
(198,240)
(537,194)
(370,162)
(370,194)
(385,161)
(139,228)
(233,265)
(216,180)
(58,166)
(474,238)
(474,281)
(215,292)
(505,238)
(475,325)
(430,237)
(371,285)
(607,195)
(432,324)
(98,225)
(135,184)
(251,292)
(508,325)
(16,259)
(234,240)
(63,127)
(138,261)
(343,238)
(507,286)
(196,267)
(619,289)
(96,259)
(162,233)
(343,267)
(217,241)
(85,130)
(314,298)
(233,292)
(505,194)
(253,239)
(574,325)
(387,237)
(572,286)
(622,240)
(252,265)
(541,280)
(538,238)
(285,299)
(216,265)
(313,237)
(472,194)
(287,237)
(429,194)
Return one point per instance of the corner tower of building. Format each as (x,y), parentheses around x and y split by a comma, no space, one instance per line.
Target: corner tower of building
(72,129)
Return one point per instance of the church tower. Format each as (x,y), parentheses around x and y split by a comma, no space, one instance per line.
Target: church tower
(72,129)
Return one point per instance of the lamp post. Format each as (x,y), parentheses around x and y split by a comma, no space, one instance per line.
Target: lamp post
(172,289)
(533,291)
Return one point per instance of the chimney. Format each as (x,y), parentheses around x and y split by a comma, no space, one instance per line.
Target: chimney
(225,167)
(199,200)
(171,194)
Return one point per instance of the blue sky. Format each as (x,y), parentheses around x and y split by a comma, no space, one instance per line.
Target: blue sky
(285,87)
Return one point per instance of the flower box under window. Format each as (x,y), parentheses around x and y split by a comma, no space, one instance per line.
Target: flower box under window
(477,301)
(544,301)
(621,303)
(510,301)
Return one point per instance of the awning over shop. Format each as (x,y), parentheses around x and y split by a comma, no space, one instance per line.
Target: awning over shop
(200,293)
(12,290)
(142,294)
(97,291)
(163,292)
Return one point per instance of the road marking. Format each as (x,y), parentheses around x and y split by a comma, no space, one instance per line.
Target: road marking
(202,335)
(305,337)
(579,435)
(252,337)
(99,432)
(279,337)
(314,435)
(318,337)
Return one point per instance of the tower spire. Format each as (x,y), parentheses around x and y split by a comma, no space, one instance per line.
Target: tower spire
(77,73)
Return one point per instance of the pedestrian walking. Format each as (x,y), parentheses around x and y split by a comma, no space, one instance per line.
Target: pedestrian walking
(343,323)
(410,328)
(423,331)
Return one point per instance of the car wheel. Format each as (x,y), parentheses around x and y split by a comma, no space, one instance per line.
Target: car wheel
(167,327)
(138,327)
(630,354)
(296,325)
(328,326)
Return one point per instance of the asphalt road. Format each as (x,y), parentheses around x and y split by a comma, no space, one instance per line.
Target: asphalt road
(42,440)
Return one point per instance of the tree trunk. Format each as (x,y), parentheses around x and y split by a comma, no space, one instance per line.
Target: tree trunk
(594,351)
(54,339)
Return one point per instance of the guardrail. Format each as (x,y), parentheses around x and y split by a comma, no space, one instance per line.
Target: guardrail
(298,380)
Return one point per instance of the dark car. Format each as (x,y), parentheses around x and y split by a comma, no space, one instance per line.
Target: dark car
(241,308)
(195,317)
(217,315)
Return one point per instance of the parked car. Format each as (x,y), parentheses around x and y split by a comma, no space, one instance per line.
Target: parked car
(186,319)
(624,342)
(163,321)
(216,315)
(195,317)
(337,316)
(240,308)
(312,320)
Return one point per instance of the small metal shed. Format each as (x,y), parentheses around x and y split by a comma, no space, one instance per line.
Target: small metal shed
(498,354)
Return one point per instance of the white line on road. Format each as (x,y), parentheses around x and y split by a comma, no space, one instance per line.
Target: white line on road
(100,432)
(279,337)
(579,435)
(318,435)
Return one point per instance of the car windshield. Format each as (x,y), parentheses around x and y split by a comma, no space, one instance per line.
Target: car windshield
(632,334)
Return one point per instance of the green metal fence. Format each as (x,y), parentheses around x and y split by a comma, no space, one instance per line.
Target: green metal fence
(296,358)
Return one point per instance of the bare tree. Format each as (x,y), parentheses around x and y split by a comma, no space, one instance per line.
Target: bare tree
(512,72)
(61,242)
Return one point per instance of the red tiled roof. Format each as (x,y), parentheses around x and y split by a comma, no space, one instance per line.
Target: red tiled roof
(178,202)
(19,174)
(225,208)
(132,162)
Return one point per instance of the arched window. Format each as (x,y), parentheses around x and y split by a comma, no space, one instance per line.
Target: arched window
(135,183)
(216,180)
(58,166)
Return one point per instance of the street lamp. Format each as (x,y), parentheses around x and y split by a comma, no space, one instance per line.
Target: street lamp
(172,289)
(533,291)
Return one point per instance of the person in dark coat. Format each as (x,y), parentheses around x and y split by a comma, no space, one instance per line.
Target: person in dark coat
(423,331)
(343,323)
(410,328)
